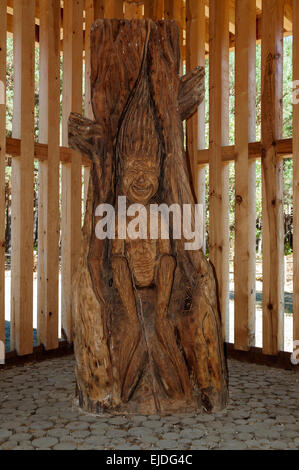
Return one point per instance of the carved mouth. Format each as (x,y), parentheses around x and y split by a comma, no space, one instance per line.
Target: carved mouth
(141,190)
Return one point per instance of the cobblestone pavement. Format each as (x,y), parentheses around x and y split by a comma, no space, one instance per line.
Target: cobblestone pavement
(37,411)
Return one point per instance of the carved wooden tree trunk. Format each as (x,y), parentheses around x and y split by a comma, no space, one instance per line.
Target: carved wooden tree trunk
(146,319)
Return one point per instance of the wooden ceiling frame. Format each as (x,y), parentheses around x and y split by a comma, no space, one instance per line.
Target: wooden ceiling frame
(288,14)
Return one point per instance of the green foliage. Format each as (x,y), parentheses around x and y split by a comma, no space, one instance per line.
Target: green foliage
(287,87)
(9,87)
(287,132)
(287,129)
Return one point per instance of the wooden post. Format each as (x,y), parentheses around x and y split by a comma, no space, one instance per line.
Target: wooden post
(148,9)
(114,9)
(49,130)
(272,176)
(94,9)
(22,179)
(154,9)
(3,18)
(71,172)
(219,136)
(245,89)
(195,55)
(172,10)
(296,176)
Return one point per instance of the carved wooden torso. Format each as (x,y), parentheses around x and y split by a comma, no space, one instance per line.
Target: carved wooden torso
(142,259)
(142,254)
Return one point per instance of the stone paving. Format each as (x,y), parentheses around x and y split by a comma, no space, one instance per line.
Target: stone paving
(38,411)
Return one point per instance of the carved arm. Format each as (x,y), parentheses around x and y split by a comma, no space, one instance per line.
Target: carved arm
(191,92)
(85,135)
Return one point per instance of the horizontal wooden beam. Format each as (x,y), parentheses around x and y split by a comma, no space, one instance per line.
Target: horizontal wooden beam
(288,15)
(256,356)
(284,149)
(13,148)
(39,354)
(253,356)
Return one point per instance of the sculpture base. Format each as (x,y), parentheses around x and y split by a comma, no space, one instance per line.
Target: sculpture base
(144,404)
(146,407)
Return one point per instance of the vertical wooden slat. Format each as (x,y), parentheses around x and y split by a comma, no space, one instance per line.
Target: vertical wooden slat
(22,179)
(219,136)
(114,9)
(71,172)
(245,91)
(272,176)
(296,176)
(3,19)
(49,129)
(94,9)
(154,9)
(148,10)
(172,9)
(195,55)
(90,16)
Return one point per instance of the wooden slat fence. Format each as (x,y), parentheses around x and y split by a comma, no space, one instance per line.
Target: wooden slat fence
(209,31)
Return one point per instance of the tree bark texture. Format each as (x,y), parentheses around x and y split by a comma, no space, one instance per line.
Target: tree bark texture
(146,317)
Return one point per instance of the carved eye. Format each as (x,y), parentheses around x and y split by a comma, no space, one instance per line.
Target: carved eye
(187,304)
(188,300)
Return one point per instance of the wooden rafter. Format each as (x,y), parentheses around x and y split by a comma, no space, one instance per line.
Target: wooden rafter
(287,21)
(288,13)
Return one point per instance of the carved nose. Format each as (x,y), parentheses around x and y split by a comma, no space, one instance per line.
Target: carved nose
(140,179)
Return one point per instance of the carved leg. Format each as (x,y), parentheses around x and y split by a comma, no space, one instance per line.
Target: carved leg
(205,355)
(217,393)
(165,330)
(132,353)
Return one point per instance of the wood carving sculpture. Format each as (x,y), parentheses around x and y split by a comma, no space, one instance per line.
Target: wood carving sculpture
(147,329)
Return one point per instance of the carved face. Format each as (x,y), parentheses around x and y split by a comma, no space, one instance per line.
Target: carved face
(140,180)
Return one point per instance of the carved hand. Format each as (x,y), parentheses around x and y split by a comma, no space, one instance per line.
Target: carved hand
(85,135)
(191,92)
